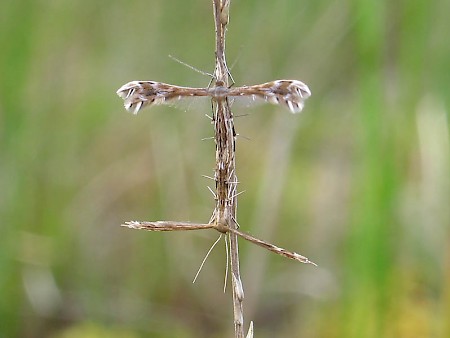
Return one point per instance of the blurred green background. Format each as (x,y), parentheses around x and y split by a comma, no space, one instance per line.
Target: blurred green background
(359,182)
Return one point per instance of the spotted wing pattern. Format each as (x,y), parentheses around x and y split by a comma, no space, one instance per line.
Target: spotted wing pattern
(139,94)
(289,93)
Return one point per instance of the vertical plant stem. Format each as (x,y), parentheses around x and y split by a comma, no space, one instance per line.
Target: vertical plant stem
(224,215)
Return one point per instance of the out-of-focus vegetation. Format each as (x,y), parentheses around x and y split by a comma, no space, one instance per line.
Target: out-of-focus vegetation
(359,182)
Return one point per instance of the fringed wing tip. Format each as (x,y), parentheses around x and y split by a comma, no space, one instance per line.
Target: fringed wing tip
(300,92)
(295,107)
(289,93)
(124,91)
(133,101)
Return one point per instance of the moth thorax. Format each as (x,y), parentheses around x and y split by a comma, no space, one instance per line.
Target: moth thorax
(219,90)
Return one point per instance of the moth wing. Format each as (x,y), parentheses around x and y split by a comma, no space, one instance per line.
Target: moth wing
(140,94)
(289,93)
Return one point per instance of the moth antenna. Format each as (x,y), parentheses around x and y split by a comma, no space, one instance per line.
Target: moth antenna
(232,66)
(231,78)
(206,257)
(191,67)
(236,59)
(210,82)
